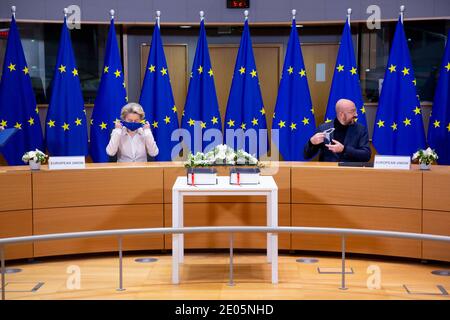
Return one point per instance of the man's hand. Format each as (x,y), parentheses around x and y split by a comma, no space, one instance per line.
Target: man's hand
(337,147)
(146,125)
(317,138)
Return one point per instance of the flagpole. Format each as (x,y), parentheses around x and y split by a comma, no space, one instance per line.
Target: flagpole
(294,12)
(402,10)
(158,18)
(246,15)
(13,11)
(349,13)
(111,13)
(202,15)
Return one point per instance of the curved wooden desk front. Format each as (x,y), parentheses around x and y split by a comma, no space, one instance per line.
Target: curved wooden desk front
(116,196)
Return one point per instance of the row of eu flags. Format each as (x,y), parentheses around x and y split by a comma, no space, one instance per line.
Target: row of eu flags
(398,127)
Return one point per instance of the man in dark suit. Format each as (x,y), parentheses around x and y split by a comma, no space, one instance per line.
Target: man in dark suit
(349,141)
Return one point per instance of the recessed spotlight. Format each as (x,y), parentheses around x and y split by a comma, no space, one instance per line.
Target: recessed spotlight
(185,27)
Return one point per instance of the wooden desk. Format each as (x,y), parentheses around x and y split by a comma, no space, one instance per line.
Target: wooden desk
(360,198)
(100,197)
(436,211)
(137,195)
(16,217)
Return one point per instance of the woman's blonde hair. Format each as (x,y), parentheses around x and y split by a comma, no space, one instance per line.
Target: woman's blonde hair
(132,107)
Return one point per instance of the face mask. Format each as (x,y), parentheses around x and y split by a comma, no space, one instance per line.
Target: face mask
(328,133)
(132,126)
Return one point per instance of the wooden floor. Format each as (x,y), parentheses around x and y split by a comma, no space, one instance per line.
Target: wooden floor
(205,276)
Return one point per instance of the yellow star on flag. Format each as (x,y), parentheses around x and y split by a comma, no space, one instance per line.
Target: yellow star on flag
(242,70)
(405,71)
(394,126)
(200,70)
(437,124)
(191,122)
(263,111)
(155,124)
(31,121)
(163,71)
(103,125)
(293,126)
(448,127)
(91,122)
(407,122)
(305,121)
(167,119)
(65,126)
(392,68)
(11,67)
(340,68)
(290,70)
(417,110)
(18,126)
(75,72)
(106,69)
(281,124)
(151,68)
(363,109)
(447,67)
(203,125)
(51,123)
(37,110)
(210,72)
(174,109)
(78,122)
(415,82)
(243,126)
(328,120)
(353,71)
(230,123)
(380,123)
(312,110)
(214,120)
(253,73)
(62,68)
(117,73)
(302,73)
(25,70)
(255,121)
(3,123)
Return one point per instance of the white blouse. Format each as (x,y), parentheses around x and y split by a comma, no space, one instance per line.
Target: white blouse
(132,148)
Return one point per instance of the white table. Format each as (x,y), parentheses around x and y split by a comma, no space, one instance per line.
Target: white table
(267,187)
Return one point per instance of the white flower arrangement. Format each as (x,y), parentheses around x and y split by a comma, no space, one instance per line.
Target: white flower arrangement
(426,157)
(37,156)
(221,155)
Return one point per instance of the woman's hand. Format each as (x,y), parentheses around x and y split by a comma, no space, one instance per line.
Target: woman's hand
(146,125)
(118,125)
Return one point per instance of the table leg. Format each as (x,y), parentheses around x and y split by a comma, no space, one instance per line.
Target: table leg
(180,225)
(274,236)
(175,238)
(269,223)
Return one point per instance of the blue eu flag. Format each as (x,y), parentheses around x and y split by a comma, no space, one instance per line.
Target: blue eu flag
(66,131)
(345,84)
(398,126)
(111,97)
(439,127)
(17,102)
(245,118)
(157,99)
(201,111)
(294,113)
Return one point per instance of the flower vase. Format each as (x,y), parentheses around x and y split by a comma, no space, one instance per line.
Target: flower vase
(424,166)
(34,165)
